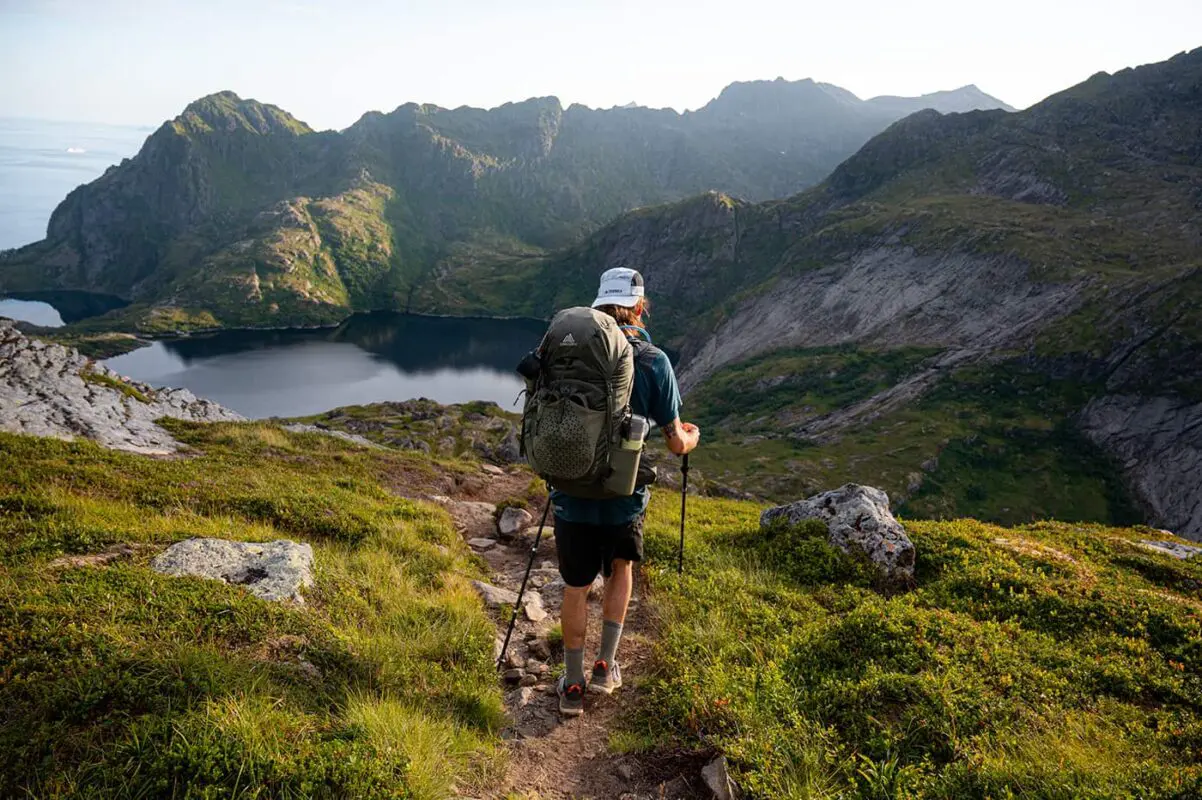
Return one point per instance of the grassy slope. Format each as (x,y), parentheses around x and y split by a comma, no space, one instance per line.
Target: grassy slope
(1051,661)
(994,442)
(1054,660)
(122,682)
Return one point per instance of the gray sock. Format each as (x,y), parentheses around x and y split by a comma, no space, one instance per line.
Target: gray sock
(611,632)
(574,661)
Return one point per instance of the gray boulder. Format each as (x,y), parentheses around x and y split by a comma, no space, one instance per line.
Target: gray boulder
(858,520)
(513,520)
(271,570)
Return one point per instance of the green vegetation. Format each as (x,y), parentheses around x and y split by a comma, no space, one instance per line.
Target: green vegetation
(466,430)
(1052,661)
(756,395)
(100,379)
(994,442)
(120,682)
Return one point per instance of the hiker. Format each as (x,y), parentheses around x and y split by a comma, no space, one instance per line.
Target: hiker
(606,535)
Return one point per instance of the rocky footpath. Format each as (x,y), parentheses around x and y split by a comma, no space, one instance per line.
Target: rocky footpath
(51,390)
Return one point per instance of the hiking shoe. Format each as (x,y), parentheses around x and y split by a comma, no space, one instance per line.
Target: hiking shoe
(605,678)
(571,698)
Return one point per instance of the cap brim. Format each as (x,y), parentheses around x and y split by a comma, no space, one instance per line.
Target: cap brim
(626,302)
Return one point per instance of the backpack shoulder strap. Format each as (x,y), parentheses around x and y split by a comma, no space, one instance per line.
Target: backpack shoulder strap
(645,353)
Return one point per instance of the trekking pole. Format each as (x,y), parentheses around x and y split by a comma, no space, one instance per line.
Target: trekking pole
(518,604)
(684,496)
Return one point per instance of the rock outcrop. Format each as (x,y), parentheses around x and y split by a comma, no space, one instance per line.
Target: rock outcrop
(858,520)
(1158,442)
(271,570)
(51,390)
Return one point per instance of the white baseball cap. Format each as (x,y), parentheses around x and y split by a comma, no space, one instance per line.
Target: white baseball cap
(620,287)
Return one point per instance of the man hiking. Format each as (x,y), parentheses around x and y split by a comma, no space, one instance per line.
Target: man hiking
(606,535)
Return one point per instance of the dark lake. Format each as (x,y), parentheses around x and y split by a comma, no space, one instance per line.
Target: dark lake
(369,358)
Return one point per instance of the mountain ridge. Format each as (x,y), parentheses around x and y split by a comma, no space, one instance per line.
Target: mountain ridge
(236,213)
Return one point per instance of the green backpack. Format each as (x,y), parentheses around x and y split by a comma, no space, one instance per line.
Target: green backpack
(576,407)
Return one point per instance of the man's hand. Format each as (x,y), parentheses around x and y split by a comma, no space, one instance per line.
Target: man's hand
(682,437)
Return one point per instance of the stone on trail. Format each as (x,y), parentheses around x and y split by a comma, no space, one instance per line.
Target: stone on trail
(858,519)
(481,543)
(270,570)
(491,469)
(533,606)
(495,595)
(717,779)
(513,520)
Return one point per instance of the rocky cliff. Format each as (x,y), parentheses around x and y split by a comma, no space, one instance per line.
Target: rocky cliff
(51,390)
(235,213)
(1037,273)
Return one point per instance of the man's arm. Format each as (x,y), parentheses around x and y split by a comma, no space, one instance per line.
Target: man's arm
(682,437)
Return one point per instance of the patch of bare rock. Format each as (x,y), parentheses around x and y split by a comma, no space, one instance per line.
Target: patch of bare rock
(858,520)
(51,390)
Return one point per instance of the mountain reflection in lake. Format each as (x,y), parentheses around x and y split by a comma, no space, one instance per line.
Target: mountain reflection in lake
(369,358)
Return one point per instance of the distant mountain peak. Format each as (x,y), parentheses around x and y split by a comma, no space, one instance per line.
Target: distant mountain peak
(226,111)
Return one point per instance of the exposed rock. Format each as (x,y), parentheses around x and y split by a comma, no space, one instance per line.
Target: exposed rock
(51,390)
(532,604)
(539,648)
(513,676)
(353,438)
(481,543)
(1174,549)
(520,698)
(858,520)
(1158,440)
(893,294)
(495,595)
(514,660)
(717,779)
(492,469)
(272,570)
(513,520)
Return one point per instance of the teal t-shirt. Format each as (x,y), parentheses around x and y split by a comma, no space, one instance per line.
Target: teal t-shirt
(656,396)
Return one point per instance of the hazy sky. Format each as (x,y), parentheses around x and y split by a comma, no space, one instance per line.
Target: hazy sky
(328,61)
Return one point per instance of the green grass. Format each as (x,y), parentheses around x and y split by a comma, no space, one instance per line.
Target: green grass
(994,442)
(1047,661)
(119,682)
(108,381)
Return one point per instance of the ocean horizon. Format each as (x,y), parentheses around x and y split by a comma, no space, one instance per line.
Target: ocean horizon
(42,161)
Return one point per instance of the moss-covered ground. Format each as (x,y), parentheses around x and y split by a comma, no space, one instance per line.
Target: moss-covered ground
(1052,660)
(116,681)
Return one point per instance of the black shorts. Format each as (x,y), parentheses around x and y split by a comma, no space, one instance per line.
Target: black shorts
(585,550)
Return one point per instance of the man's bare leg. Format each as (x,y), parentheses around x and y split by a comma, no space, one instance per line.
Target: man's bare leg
(574,621)
(617,591)
(606,675)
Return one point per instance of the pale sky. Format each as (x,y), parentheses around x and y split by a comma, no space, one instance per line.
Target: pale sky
(328,61)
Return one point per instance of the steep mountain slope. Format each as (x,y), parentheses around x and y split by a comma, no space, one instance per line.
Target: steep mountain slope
(236,213)
(1042,269)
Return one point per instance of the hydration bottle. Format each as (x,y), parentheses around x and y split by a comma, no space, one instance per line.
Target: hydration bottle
(624,459)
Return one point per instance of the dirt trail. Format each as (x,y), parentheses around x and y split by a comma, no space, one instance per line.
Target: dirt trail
(550,756)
